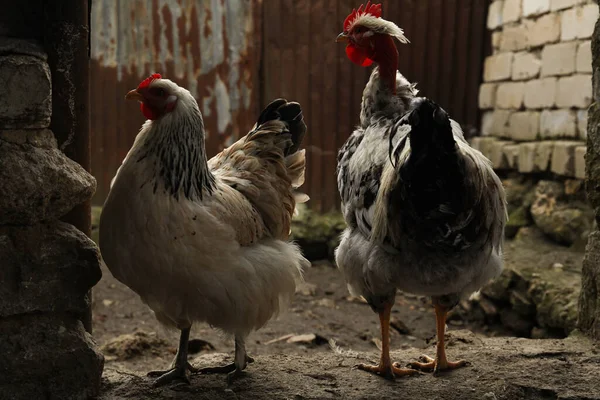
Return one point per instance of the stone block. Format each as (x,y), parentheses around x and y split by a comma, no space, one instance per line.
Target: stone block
(559,59)
(563,158)
(511,12)
(556,5)
(499,124)
(496,40)
(487,121)
(535,156)
(558,124)
(524,126)
(511,152)
(540,93)
(487,95)
(580,162)
(584,57)
(514,38)
(525,66)
(544,30)
(535,7)
(578,22)
(26,100)
(494,18)
(574,91)
(46,268)
(582,121)
(497,156)
(497,67)
(48,356)
(32,165)
(510,95)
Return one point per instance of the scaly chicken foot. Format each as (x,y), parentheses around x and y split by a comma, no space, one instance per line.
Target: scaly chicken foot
(236,368)
(385,368)
(179,366)
(440,363)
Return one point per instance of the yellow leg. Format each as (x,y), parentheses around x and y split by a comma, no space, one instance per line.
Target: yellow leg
(385,367)
(440,363)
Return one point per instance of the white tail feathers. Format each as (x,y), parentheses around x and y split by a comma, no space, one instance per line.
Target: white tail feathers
(380,215)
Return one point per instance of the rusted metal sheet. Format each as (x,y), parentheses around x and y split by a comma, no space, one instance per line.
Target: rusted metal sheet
(210,47)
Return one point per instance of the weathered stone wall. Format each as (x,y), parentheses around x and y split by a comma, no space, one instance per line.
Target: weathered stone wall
(537,85)
(589,300)
(47,267)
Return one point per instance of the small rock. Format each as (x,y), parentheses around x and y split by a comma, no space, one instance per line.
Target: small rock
(107,302)
(558,266)
(559,219)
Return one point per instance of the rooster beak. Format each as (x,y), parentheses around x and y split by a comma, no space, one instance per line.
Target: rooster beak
(134,95)
(342,38)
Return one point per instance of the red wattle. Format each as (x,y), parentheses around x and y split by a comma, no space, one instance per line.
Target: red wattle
(357,56)
(148,113)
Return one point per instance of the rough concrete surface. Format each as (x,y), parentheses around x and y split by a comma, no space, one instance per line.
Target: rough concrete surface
(502,368)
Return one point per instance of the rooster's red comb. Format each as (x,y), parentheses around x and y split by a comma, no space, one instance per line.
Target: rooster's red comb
(146,82)
(370,9)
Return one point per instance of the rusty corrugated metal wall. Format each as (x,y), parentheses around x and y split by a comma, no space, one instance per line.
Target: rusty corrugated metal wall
(237,55)
(211,47)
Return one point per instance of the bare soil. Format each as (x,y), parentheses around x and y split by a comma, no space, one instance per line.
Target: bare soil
(289,365)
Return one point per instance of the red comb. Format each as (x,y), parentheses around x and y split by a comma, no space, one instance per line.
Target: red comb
(146,82)
(371,9)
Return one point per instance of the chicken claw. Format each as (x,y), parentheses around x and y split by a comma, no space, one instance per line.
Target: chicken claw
(440,362)
(389,372)
(180,365)
(235,369)
(428,364)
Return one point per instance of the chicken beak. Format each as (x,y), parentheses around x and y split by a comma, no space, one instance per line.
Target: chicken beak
(134,95)
(342,38)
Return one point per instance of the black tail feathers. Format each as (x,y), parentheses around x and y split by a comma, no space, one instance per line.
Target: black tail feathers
(291,114)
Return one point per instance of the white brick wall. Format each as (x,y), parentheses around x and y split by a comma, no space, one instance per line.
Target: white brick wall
(574,91)
(584,57)
(494,19)
(540,93)
(544,30)
(558,124)
(537,85)
(535,7)
(525,66)
(510,95)
(511,12)
(578,22)
(559,59)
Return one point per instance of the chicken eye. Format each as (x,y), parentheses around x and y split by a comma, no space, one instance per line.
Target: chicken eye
(161,92)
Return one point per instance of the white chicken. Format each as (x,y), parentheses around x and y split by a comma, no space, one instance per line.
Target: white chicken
(429,222)
(206,240)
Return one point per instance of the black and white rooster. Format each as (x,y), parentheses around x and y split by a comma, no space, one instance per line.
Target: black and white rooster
(425,212)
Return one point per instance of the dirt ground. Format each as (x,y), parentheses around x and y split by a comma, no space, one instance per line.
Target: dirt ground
(295,360)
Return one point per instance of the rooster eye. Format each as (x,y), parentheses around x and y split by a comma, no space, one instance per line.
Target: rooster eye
(161,92)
